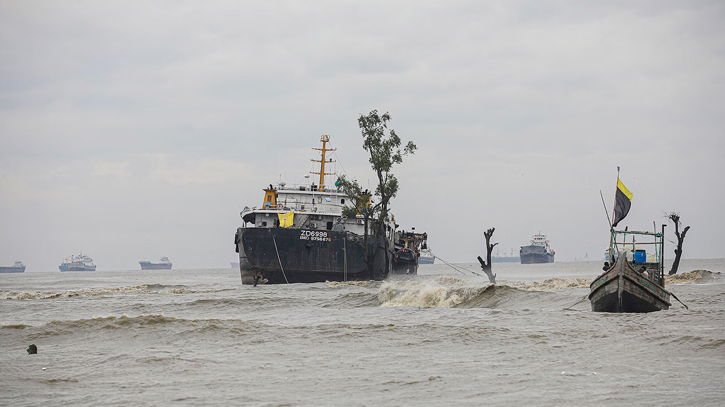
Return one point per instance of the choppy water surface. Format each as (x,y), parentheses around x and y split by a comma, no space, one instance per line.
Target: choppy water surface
(197,337)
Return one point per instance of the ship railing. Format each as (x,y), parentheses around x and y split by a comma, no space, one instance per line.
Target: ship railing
(306,187)
(324,209)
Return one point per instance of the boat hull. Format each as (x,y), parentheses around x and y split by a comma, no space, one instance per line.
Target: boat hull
(426,260)
(287,255)
(536,257)
(622,289)
(154,266)
(64,267)
(12,269)
(405,262)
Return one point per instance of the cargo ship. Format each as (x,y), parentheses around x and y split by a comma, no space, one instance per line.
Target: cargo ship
(78,263)
(537,252)
(501,257)
(18,267)
(163,264)
(300,235)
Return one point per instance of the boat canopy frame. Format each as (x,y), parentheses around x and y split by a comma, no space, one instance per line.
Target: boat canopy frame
(658,241)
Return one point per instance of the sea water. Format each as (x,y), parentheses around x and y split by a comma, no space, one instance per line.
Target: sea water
(444,338)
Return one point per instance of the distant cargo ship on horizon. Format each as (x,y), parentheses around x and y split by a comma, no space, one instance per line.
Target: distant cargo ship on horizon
(18,267)
(163,264)
(78,263)
(537,252)
(500,257)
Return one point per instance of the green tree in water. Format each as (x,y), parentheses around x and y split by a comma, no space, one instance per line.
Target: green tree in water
(384,147)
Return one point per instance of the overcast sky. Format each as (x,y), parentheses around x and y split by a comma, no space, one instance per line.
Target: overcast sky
(138,129)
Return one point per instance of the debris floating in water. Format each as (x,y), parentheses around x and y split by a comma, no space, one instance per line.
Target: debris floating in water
(32,349)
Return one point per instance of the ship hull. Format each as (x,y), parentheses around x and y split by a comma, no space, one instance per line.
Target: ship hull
(63,267)
(154,266)
(12,269)
(426,260)
(622,289)
(535,258)
(405,262)
(286,255)
(535,255)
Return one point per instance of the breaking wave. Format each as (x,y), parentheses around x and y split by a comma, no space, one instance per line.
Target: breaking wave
(695,277)
(132,324)
(449,292)
(92,292)
(440,292)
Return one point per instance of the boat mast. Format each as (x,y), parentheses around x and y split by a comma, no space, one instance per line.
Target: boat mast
(324,139)
(613,237)
(616,186)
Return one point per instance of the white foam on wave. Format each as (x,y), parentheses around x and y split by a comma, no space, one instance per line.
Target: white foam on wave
(548,284)
(443,292)
(694,277)
(335,284)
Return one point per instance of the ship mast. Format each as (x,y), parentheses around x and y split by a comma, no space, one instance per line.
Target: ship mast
(324,139)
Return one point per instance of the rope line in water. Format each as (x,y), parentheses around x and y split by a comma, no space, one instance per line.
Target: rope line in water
(454,267)
(586,297)
(280,261)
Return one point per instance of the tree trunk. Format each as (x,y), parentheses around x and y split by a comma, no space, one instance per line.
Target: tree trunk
(486,265)
(678,250)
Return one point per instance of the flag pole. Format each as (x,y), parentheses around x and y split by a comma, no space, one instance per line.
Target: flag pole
(613,236)
(616,186)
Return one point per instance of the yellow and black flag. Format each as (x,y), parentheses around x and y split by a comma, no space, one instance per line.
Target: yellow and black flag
(622,203)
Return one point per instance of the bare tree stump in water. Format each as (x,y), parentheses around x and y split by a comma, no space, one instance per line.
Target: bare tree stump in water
(486,265)
(675,218)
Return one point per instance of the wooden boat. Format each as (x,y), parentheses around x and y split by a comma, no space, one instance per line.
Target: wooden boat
(631,286)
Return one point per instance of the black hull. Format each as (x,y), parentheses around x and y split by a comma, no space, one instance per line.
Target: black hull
(405,262)
(536,258)
(285,255)
(622,289)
